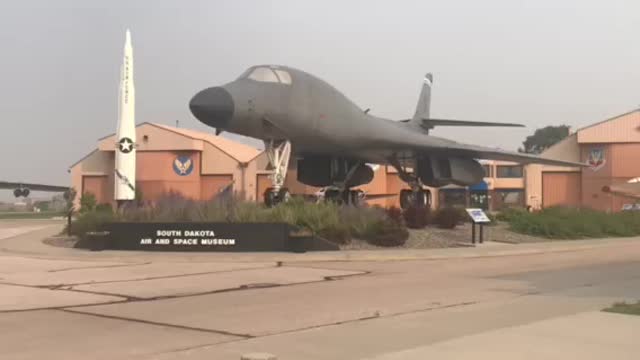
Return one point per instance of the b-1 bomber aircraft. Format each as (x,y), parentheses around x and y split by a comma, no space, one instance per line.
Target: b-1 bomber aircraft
(333,139)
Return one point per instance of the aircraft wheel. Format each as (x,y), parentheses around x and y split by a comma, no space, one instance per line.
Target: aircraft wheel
(284,195)
(25,192)
(273,198)
(405,198)
(420,198)
(356,197)
(413,198)
(17,192)
(333,195)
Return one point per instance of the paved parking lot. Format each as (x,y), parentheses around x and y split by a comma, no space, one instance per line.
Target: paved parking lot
(66,303)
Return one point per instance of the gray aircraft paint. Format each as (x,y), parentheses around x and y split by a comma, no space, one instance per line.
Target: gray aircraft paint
(319,119)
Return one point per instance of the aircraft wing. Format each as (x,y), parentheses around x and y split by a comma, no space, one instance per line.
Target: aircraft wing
(443,147)
(33,187)
(487,153)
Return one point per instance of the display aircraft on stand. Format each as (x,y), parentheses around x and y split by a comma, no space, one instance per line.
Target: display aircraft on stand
(24,189)
(333,139)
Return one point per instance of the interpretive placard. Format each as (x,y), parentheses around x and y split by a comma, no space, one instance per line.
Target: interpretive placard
(478,216)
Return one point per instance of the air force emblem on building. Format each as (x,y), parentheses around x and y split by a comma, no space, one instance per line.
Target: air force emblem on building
(125,145)
(183,165)
(596,159)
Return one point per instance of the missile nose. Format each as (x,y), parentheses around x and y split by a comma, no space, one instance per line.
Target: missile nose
(213,106)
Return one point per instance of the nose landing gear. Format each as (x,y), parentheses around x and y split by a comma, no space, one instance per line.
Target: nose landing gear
(278,153)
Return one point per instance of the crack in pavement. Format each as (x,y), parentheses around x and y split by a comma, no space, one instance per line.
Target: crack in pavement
(148,322)
(98,267)
(161,277)
(375,315)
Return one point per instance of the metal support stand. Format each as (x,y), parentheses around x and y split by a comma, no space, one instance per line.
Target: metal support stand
(473,233)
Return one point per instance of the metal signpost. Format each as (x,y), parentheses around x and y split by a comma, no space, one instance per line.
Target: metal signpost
(478,217)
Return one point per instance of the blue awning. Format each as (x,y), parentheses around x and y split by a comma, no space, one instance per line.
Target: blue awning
(481,186)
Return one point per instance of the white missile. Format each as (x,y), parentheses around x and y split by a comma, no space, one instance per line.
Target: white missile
(125,165)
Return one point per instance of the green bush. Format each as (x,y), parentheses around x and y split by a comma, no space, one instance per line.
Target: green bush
(92,221)
(508,214)
(395,214)
(104,208)
(388,233)
(87,202)
(569,223)
(448,217)
(417,217)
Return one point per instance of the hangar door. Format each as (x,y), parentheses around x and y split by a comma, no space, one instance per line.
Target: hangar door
(98,186)
(263,182)
(211,185)
(561,189)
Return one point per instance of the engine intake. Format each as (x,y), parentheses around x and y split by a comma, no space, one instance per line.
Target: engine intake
(440,171)
(326,171)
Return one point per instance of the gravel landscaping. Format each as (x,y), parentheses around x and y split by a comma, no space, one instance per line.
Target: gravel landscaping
(433,238)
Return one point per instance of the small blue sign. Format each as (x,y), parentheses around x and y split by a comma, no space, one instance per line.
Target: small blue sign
(183,165)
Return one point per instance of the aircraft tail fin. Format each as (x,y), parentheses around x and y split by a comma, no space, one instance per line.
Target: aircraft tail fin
(423,108)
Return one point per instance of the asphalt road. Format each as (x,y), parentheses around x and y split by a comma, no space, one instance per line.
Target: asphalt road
(69,304)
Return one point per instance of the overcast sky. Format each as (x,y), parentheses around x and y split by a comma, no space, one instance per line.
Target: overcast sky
(539,62)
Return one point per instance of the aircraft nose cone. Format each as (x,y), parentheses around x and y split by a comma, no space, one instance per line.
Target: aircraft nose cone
(213,106)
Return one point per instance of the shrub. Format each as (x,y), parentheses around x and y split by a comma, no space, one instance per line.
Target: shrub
(388,233)
(92,221)
(448,217)
(508,214)
(417,217)
(337,234)
(395,214)
(326,219)
(87,202)
(568,223)
(104,208)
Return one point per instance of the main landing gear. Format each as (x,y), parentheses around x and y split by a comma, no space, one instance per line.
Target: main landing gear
(278,153)
(416,196)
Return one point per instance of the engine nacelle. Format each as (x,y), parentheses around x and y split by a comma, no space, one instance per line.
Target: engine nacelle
(326,171)
(438,171)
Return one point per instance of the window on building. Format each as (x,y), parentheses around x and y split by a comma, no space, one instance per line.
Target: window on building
(511,197)
(509,171)
(453,197)
(487,170)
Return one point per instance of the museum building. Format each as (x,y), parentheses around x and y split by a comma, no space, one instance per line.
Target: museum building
(611,148)
(200,165)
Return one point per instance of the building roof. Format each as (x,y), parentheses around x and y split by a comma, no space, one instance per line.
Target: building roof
(623,128)
(240,152)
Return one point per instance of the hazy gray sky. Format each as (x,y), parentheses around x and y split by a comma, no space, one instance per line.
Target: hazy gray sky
(537,62)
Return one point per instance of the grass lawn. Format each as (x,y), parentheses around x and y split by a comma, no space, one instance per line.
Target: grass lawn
(30,215)
(624,308)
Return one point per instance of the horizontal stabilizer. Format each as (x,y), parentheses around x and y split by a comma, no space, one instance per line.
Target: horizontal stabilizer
(431,123)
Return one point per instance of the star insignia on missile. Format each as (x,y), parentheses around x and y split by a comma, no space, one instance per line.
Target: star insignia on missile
(125,145)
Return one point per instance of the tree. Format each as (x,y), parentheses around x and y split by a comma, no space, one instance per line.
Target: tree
(544,138)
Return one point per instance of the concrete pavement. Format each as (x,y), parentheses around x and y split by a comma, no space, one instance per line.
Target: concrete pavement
(66,303)
(590,335)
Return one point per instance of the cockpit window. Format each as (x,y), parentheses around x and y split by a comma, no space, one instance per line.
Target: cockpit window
(284,76)
(263,74)
(266,74)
